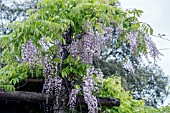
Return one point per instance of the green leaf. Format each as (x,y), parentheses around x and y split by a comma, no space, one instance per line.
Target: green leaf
(63,73)
(151,31)
(30,11)
(76,86)
(57,60)
(14,81)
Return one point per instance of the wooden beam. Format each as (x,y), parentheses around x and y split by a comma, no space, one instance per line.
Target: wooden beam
(35,80)
(23,96)
(39,97)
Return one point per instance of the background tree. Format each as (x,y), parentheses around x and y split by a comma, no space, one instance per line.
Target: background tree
(145,79)
(11,11)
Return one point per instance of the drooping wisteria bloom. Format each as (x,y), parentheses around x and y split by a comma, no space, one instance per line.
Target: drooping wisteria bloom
(73,99)
(49,67)
(119,30)
(47,89)
(52,86)
(57,82)
(30,53)
(86,48)
(88,97)
(133,40)
(151,48)
(128,66)
(91,44)
(91,84)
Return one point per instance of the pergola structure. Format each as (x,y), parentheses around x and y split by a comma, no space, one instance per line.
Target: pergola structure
(31,97)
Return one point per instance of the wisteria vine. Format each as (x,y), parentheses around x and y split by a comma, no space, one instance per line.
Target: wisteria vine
(87,47)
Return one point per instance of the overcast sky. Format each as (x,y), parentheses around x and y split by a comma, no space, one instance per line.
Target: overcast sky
(157,14)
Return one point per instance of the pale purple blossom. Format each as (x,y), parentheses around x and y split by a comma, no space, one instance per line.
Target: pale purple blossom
(91,84)
(30,53)
(73,99)
(128,66)
(91,44)
(151,48)
(119,30)
(133,40)
(52,86)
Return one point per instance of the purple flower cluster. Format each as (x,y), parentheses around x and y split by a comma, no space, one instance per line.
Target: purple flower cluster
(86,48)
(49,67)
(91,44)
(152,50)
(30,53)
(91,80)
(45,46)
(88,97)
(72,99)
(128,65)
(119,30)
(52,86)
(133,38)
(57,81)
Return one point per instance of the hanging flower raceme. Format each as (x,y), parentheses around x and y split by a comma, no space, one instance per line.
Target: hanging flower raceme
(119,30)
(128,66)
(152,50)
(107,35)
(91,44)
(73,99)
(91,83)
(52,86)
(133,40)
(49,67)
(30,53)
